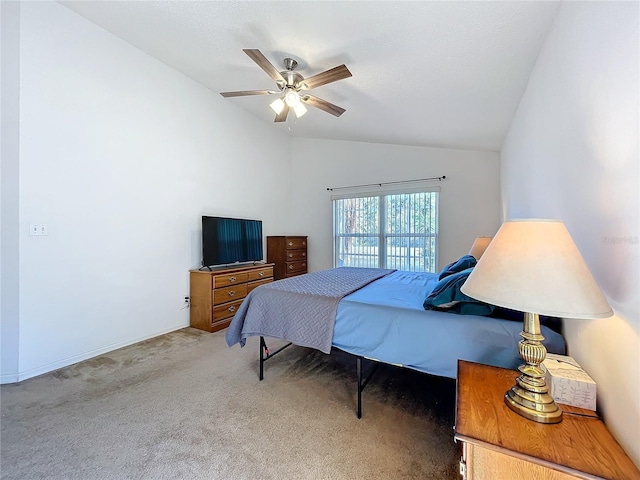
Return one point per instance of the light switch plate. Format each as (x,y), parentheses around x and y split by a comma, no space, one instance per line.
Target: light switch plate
(39,229)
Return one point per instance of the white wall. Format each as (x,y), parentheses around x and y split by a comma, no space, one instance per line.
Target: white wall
(572,153)
(120,155)
(469,197)
(9,167)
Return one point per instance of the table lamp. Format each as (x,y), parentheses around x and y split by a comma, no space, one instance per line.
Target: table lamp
(480,244)
(533,266)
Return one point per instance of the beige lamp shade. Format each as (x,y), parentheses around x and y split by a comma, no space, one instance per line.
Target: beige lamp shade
(480,244)
(533,265)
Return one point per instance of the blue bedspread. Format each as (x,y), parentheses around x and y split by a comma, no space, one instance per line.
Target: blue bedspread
(385,321)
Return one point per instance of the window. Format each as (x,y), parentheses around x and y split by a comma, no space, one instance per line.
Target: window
(387,230)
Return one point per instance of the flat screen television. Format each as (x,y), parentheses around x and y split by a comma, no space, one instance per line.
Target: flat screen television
(230,240)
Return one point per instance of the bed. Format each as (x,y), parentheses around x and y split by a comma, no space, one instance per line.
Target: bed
(379,316)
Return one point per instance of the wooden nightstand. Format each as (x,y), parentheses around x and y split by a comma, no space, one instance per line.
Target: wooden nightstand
(498,444)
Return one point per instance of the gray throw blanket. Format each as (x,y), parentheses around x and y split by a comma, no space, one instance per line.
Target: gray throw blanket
(299,309)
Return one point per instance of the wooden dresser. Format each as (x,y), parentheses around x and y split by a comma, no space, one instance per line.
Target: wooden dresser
(216,295)
(288,254)
(497,443)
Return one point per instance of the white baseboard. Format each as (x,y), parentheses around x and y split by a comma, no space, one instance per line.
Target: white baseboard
(34,372)
(8,378)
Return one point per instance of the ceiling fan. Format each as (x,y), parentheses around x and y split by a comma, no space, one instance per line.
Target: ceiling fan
(293,87)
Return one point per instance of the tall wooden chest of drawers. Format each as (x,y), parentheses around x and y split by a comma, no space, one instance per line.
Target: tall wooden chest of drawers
(216,295)
(288,254)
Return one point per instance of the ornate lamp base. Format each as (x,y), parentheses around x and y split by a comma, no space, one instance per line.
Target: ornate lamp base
(530,397)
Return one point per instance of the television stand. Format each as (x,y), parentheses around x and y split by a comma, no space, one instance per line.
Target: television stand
(216,294)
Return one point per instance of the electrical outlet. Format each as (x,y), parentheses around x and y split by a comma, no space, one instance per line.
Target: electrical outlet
(187,303)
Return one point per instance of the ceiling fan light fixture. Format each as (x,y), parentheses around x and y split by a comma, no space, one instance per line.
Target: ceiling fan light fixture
(292,97)
(290,83)
(277,105)
(299,110)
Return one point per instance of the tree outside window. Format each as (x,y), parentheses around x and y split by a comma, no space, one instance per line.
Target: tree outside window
(396,230)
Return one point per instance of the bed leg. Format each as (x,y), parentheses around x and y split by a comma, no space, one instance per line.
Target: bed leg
(359,370)
(265,355)
(262,348)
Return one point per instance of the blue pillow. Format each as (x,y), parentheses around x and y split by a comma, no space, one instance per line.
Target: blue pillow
(464,262)
(446,296)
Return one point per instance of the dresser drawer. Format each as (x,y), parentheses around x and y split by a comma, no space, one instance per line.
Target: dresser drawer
(296,267)
(296,242)
(220,324)
(257,283)
(293,255)
(265,272)
(228,294)
(486,464)
(229,279)
(226,310)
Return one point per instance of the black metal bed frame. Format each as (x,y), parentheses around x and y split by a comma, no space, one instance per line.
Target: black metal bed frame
(361,383)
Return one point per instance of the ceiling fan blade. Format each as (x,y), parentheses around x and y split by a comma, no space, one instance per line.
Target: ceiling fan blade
(244,93)
(323,105)
(328,76)
(282,116)
(257,56)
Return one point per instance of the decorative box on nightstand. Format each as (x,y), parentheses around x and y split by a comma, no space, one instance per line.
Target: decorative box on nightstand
(499,444)
(568,382)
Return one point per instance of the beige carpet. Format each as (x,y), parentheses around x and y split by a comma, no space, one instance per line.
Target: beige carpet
(185,406)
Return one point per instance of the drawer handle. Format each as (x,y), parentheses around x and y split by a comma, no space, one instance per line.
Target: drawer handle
(232,279)
(291,255)
(261,274)
(291,244)
(304,264)
(232,308)
(304,243)
(304,254)
(232,293)
(290,267)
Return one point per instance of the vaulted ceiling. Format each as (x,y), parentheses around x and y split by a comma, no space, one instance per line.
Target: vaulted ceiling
(433,73)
